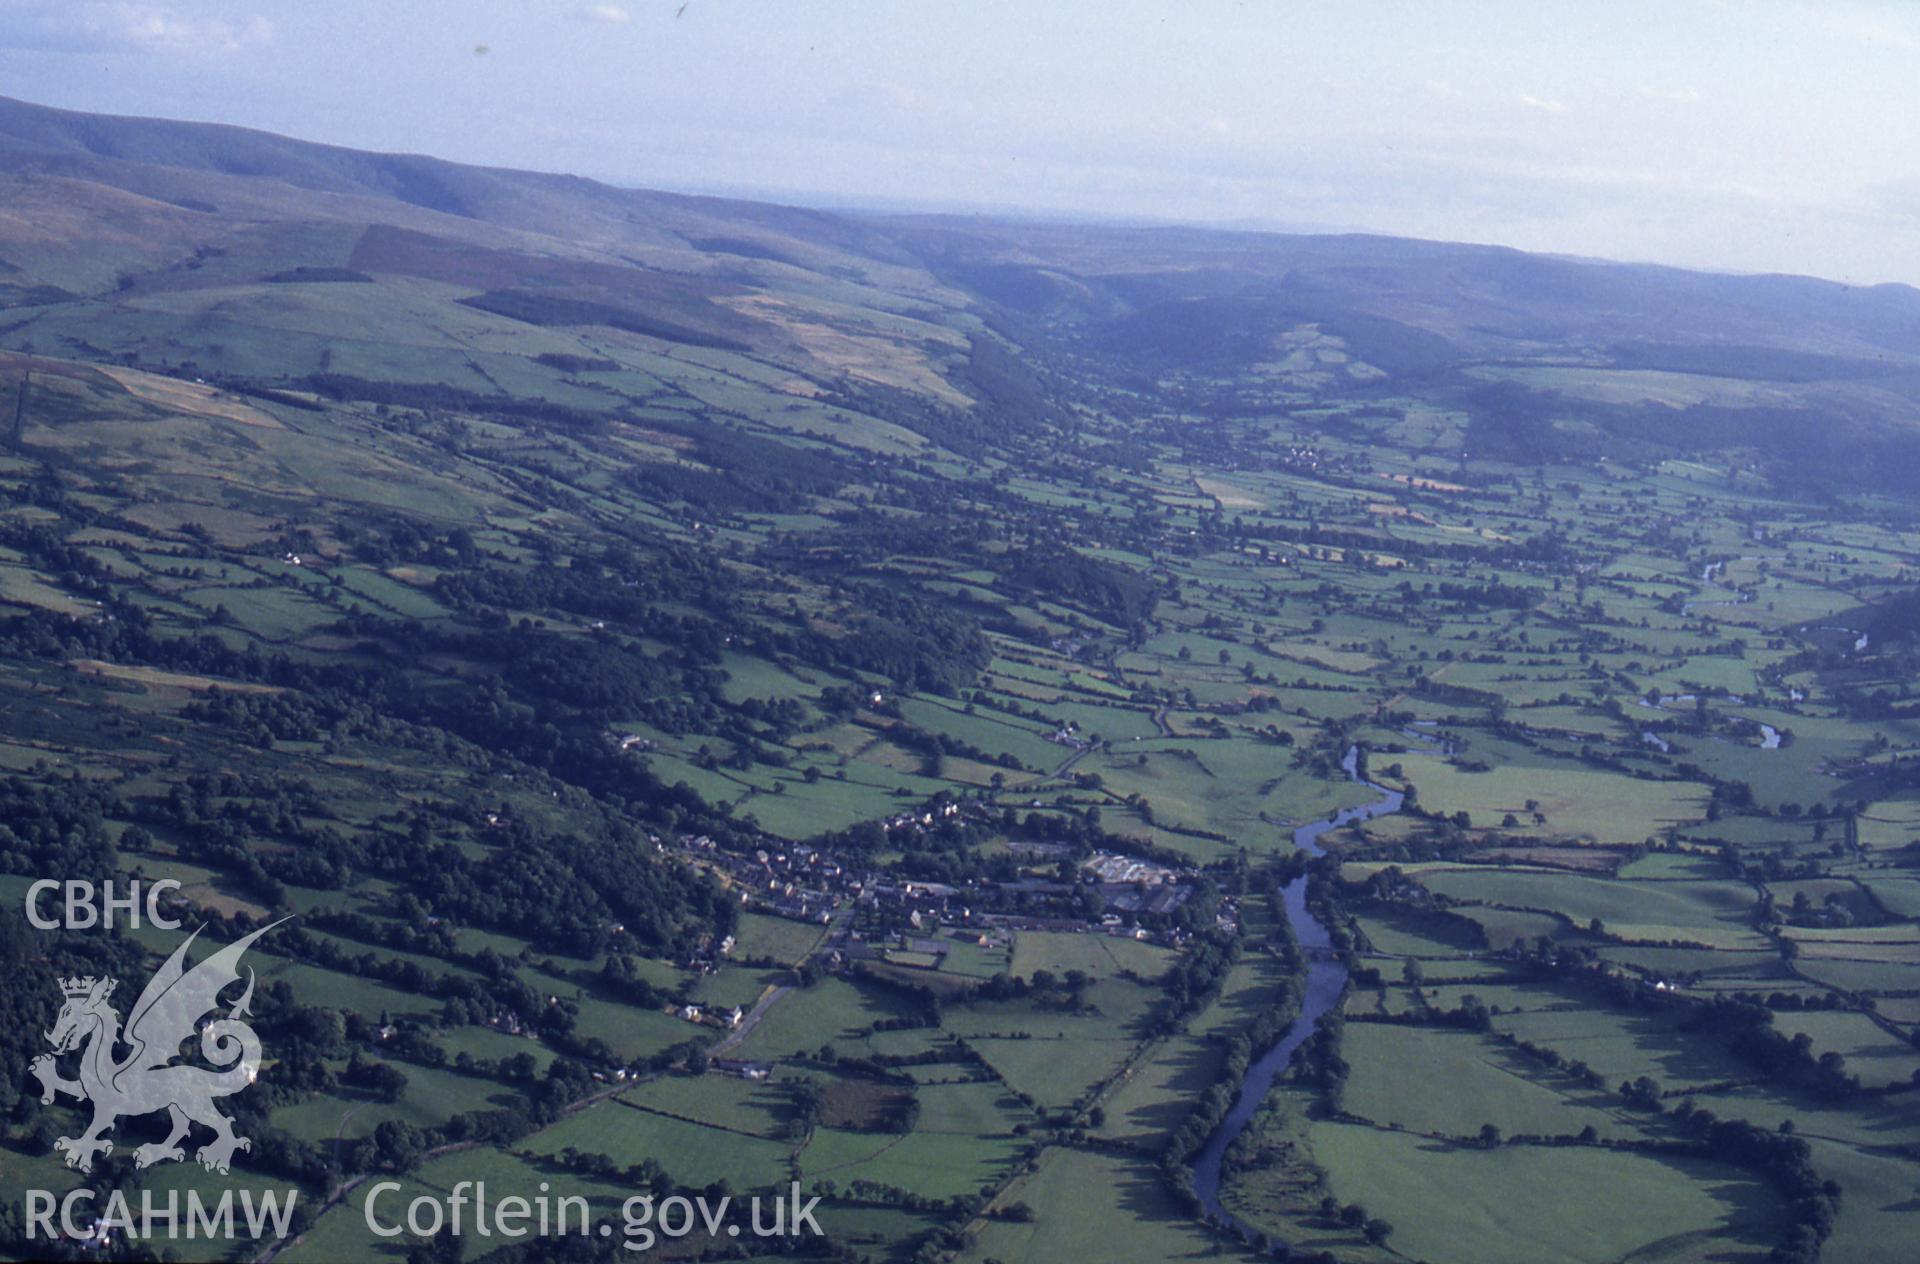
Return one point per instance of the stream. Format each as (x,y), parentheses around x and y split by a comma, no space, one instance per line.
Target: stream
(1326,978)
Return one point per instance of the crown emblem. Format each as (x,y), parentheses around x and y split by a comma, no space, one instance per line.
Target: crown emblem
(83,987)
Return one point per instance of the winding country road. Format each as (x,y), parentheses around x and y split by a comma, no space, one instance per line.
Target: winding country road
(752,1020)
(1076,757)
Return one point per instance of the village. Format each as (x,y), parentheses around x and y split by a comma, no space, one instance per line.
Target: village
(873,914)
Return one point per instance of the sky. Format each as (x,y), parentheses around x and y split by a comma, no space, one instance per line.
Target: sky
(1755,136)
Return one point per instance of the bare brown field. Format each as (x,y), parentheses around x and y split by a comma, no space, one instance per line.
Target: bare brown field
(1424,484)
(188,397)
(154,678)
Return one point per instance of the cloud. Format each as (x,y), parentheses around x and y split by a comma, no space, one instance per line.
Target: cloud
(168,30)
(608,14)
(1673,96)
(1543,103)
(1884,28)
(119,27)
(877,97)
(1898,200)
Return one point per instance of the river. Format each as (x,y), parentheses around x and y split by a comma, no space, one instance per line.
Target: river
(1326,979)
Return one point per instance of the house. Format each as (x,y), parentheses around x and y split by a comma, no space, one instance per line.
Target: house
(99,1235)
(690,1012)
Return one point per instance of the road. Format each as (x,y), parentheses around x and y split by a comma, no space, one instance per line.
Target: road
(1067,765)
(752,1020)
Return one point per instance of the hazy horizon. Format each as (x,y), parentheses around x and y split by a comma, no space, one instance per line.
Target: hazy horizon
(1700,135)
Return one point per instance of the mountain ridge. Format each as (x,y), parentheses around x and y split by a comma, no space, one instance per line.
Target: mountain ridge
(923,317)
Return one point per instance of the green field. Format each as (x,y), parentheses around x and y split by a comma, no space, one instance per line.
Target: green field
(1450,1084)
(1094,1195)
(691,1153)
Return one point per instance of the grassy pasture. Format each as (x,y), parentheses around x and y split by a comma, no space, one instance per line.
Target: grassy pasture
(1507,997)
(691,1153)
(1899,896)
(1503,927)
(1102,1207)
(1537,1205)
(1403,934)
(1873,1054)
(1053,1073)
(1157,1092)
(725,1101)
(1578,802)
(1449,1083)
(980,1108)
(1712,912)
(933,1165)
(832,1010)
(1857,976)
(779,938)
(1100,956)
(1890,823)
(632,1033)
(1623,1047)
(865,1225)
(1875,1224)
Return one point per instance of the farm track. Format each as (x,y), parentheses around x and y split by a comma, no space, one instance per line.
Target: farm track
(752,1020)
(1066,765)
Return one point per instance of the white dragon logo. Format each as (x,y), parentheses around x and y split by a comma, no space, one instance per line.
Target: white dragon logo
(147,1080)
